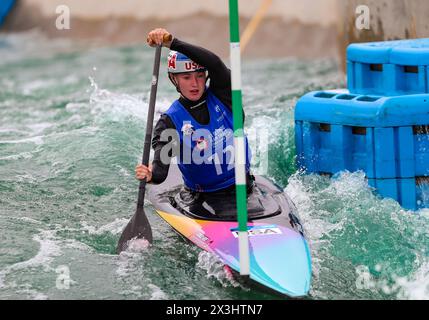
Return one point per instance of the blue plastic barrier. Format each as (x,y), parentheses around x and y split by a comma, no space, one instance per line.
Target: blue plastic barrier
(385,136)
(5,7)
(388,68)
(380,125)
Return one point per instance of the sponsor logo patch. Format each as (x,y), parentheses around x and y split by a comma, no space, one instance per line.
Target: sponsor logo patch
(202,237)
(259,231)
(187,129)
(202,144)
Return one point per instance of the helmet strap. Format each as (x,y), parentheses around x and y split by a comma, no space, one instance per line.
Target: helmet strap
(174,82)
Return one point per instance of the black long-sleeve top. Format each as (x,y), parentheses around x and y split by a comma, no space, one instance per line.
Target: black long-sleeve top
(220,85)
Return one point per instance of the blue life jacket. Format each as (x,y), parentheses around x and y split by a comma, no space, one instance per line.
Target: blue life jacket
(206,157)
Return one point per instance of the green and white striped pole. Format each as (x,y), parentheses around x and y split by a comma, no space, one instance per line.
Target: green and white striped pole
(239,146)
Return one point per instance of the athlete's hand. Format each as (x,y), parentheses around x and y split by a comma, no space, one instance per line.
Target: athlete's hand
(143,172)
(158,36)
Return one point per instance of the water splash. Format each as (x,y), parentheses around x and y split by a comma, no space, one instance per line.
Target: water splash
(216,269)
(119,107)
(351,228)
(43,259)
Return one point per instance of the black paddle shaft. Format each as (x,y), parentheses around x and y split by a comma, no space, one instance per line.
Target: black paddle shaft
(149,125)
(139,226)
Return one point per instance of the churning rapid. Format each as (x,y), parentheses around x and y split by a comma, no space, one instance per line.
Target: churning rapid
(72,123)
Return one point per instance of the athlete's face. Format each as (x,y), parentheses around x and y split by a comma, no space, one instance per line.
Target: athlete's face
(191,84)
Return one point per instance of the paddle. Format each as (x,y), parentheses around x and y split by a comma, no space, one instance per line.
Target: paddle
(139,226)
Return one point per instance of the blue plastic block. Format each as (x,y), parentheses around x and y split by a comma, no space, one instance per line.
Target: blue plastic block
(388,68)
(5,7)
(372,183)
(405,191)
(405,155)
(341,147)
(371,52)
(414,52)
(408,193)
(390,75)
(386,137)
(388,188)
(299,145)
(370,156)
(310,146)
(422,80)
(351,83)
(421,146)
(358,150)
(422,195)
(363,110)
(323,150)
(410,80)
(385,166)
(427,79)
(380,125)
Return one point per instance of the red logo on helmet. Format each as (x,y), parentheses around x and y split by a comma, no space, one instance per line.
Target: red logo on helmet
(172,61)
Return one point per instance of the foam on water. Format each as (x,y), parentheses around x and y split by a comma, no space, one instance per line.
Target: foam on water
(416,286)
(33,294)
(215,269)
(36,140)
(48,250)
(114,227)
(157,293)
(349,226)
(130,270)
(119,106)
(19,156)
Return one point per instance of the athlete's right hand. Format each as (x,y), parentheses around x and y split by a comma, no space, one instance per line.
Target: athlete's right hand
(143,172)
(157,37)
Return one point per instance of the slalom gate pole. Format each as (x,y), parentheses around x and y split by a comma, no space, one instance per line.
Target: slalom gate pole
(239,145)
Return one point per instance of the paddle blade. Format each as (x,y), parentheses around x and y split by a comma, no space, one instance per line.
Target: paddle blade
(137,228)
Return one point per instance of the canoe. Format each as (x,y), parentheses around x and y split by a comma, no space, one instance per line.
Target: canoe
(280,258)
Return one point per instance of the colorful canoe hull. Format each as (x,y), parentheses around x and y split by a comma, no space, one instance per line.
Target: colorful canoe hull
(279,254)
